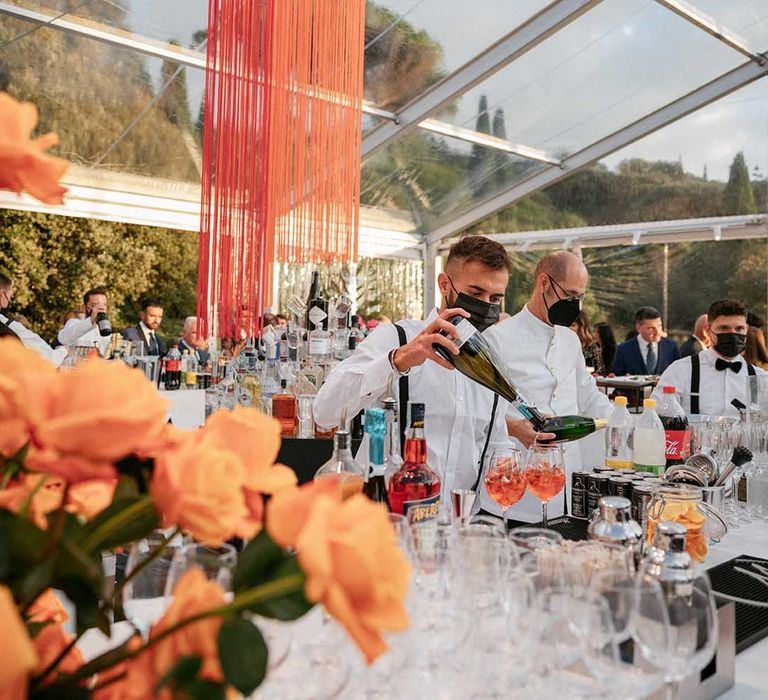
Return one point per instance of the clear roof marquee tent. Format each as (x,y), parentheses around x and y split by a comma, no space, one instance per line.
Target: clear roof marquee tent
(469,107)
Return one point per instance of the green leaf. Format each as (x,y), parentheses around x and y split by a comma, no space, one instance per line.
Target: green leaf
(287,607)
(242,654)
(34,628)
(202,690)
(126,488)
(35,581)
(183,672)
(60,691)
(257,562)
(117,525)
(21,546)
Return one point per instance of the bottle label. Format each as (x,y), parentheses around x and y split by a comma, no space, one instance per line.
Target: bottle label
(173,366)
(319,346)
(422,510)
(466,331)
(618,463)
(678,444)
(317,315)
(269,386)
(656,469)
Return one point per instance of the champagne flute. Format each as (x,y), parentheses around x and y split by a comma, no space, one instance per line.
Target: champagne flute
(545,474)
(217,563)
(505,481)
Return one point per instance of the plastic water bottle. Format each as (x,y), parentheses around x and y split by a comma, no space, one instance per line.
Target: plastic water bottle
(650,442)
(619,436)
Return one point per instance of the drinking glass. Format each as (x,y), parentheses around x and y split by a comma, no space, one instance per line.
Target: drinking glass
(146,577)
(217,563)
(403,531)
(504,480)
(545,474)
(304,414)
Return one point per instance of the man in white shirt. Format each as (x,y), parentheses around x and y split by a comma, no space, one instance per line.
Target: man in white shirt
(707,383)
(26,336)
(543,358)
(458,410)
(84,332)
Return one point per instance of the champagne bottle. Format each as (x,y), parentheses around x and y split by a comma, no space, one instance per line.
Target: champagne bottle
(478,361)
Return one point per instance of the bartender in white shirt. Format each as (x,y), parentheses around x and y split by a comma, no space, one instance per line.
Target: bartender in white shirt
(708,382)
(544,360)
(26,336)
(458,410)
(84,332)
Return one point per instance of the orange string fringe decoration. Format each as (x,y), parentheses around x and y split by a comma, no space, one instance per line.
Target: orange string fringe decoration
(281,149)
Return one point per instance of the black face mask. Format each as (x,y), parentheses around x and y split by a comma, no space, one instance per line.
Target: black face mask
(730,344)
(482,314)
(564,311)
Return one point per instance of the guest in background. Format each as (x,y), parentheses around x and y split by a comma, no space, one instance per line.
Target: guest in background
(699,340)
(756,352)
(756,321)
(84,332)
(590,348)
(269,320)
(150,318)
(282,321)
(607,341)
(650,352)
(191,341)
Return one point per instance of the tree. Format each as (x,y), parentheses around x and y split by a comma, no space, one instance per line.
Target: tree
(738,197)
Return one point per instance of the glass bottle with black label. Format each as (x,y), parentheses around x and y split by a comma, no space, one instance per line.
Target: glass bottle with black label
(414,490)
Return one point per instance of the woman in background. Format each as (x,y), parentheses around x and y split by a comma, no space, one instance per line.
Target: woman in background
(607,341)
(756,352)
(589,346)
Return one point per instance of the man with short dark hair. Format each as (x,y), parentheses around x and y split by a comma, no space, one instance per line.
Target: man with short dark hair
(10,326)
(150,318)
(650,352)
(84,332)
(711,381)
(462,417)
(543,358)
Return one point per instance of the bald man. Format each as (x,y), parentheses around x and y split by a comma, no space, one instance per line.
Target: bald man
(544,360)
(698,341)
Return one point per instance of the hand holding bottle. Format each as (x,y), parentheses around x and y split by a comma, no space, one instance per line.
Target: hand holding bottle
(522,430)
(421,347)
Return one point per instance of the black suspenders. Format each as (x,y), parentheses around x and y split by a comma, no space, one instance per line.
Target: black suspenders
(403,389)
(696,382)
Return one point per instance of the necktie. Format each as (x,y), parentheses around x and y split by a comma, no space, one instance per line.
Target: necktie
(650,359)
(720,365)
(152,343)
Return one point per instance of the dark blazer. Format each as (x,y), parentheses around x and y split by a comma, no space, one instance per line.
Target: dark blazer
(629,359)
(203,356)
(136,333)
(692,346)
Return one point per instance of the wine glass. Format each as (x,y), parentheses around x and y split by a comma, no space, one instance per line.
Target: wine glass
(504,480)
(545,474)
(217,563)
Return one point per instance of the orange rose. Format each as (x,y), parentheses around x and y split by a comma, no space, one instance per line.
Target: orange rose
(349,553)
(97,414)
(24,165)
(24,384)
(17,655)
(52,639)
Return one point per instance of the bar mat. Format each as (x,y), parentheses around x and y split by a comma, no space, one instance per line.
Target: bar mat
(751,622)
(569,528)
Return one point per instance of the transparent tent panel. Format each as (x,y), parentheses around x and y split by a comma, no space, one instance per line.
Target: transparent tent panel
(746,20)
(113,108)
(436,177)
(614,64)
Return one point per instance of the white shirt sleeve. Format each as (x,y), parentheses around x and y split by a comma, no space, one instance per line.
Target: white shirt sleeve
(35,342)
(357,382)
(74,329)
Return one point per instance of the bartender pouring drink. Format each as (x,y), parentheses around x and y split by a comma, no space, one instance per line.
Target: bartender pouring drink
(543,359)
(460,423)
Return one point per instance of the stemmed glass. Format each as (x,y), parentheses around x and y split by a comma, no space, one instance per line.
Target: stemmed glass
(217,563)
(545,474)
(504,480)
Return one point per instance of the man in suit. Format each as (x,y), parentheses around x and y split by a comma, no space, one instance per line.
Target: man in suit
(698,341)
(190,341)
(649,352)
(150,318)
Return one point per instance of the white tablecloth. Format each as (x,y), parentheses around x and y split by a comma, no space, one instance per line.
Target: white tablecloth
(187,407)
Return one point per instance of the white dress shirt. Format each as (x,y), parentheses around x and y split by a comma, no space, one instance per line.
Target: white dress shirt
(717,388)
(35,342)
(547,366)
(82,333)
(458,409)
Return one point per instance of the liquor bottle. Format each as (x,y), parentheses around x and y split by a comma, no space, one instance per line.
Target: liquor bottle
(393,460)
(190,370)
(320,342)
(376,427)
(675,422)
(102,321)
(284,409)
(343,465)
(270,372)
(317,306)
(173,369)
(478,361)
(619,436)
(414,490)
(650,441)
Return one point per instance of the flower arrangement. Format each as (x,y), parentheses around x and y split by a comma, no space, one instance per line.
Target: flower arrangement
(88,464)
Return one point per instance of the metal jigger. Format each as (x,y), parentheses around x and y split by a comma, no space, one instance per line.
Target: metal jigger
(463,501)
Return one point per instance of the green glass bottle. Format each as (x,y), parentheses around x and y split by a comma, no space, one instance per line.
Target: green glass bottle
(376,426)
(567,428)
